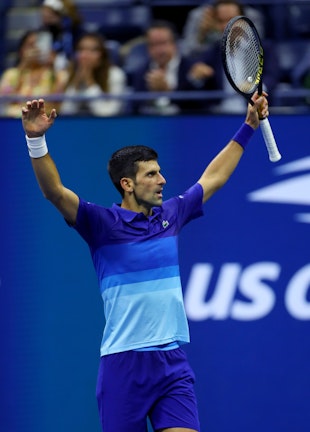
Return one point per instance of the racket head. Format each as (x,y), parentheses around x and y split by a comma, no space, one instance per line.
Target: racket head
(243,56)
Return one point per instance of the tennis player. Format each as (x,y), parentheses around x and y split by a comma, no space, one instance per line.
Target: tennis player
(143,369)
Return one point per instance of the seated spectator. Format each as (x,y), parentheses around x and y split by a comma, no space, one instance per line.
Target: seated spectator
(210,64)
(164,70)
(92,76)
(33,76)
(61,19)
(204,24)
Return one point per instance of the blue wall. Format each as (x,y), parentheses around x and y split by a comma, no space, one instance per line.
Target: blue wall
(245,270)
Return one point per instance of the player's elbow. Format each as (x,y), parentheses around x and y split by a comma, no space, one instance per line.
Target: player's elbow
(54,194)
(211,186)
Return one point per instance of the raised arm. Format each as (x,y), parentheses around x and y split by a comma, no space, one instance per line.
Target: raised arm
(223,165)
(35,123)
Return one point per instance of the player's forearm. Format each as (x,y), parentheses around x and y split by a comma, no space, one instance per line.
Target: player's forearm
(223,165)
(47,177)
(65,200)
(220,169)
(44,168)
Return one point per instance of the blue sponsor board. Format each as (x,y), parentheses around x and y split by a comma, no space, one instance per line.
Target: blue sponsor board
(245,269)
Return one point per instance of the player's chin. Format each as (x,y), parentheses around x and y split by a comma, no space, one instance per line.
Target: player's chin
(158,201)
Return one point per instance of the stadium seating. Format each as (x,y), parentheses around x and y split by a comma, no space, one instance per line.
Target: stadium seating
(117,23)
(18,21)
(299,20)
(121,21)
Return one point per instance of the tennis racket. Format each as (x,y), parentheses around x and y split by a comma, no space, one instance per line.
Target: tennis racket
(243,62)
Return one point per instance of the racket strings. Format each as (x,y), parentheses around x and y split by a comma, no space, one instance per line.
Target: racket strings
(243,57)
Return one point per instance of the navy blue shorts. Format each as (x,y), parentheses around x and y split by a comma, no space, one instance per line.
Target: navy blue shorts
(135,385)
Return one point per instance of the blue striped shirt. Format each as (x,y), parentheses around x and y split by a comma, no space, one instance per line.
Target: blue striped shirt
(136,262)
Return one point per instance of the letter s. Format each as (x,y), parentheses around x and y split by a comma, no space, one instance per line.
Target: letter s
(261,295)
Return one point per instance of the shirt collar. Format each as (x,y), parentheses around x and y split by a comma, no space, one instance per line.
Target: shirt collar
(129,215)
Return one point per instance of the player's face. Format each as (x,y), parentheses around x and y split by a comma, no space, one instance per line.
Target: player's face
(148,185)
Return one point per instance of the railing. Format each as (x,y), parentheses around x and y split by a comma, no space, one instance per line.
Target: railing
(287,101)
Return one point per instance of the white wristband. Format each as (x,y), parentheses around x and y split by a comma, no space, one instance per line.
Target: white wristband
(37,146)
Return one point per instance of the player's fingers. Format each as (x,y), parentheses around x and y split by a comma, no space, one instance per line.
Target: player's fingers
(262,107)
(257,96)
(34,103)
(264,112)
(24,111)
(26,108)
(53,114)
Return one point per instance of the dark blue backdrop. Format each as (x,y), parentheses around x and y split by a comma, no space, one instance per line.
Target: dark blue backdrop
(245,270)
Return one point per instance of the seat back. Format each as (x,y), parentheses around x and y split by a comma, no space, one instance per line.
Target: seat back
(290,54)
(117,23)
(135,57)
(18,21)
(299,20)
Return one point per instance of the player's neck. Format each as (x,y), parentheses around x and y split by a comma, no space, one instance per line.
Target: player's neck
(135,207)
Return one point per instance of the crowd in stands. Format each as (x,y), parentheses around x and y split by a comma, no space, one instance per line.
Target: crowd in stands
(81,71)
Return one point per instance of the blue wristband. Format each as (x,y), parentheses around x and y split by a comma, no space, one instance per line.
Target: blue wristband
(243,136)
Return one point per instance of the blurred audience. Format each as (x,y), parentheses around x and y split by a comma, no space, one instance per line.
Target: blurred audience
(210,68)
(93,75)
(61,19)
(164,70)
(205,24)
(61,58)
(300,76)
(301,71)
(33,75)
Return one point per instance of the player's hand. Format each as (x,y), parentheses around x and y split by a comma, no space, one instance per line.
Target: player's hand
(258,110)
(35,120)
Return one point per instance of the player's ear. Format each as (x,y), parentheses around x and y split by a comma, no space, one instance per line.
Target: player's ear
(127,184)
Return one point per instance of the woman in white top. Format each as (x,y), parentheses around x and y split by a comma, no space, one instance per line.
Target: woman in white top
(93,76)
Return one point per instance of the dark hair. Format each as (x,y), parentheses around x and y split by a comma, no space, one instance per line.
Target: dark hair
(123,163)
(23,40)
(162,24)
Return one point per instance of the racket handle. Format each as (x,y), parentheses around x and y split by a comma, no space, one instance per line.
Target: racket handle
(274,154)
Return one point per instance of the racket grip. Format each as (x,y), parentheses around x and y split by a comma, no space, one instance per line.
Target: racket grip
(272,148)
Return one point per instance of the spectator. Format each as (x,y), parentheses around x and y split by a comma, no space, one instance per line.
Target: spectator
(164,70)
(93,75)
(205,24)
(62,20)
(210,65)
(32,76)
